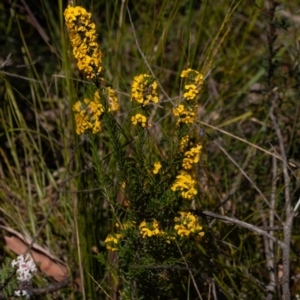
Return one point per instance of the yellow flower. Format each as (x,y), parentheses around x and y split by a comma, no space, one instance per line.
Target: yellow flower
(195,82)
(191,157)
(191,92)
(184,143)
(185,184)
(87,116)
(112,99)
(193,75)
(82,123)
(148,230)
(199,79)
(83,36)
(139,118)
(187,224)
(184,115)
(144,89)
(112,241)
(157,167)
(185,73)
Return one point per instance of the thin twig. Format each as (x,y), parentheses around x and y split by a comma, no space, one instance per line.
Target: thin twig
(297,206)
(269,244)
(249,179)
(20,77)
(191,274)
(103,290)
(287,228)
(167,267)
(242,224)
(144,57)
(48,289)
(290,162)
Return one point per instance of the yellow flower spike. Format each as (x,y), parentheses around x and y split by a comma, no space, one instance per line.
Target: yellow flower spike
(157,167)
(87,116)
(191,157)
(184,143)
(83,36)
(194,83)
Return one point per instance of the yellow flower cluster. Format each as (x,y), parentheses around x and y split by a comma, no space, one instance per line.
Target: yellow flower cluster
(88,112)
(157,167)
(144,89)
(87,116)
(186,112)
(112,241)
(83,39)
(184,115)
(185,184)
(196,81)
(191,91)
(193,75)
(184,143)
(111,97)
(149,230)
(139,118)
(187,224)
(191,157)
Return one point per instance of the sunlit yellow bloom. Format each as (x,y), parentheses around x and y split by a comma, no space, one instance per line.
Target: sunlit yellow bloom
(184,143)
(83,36)
(185,184)
(144,89)
(187,224)
(157,167)
(199,79)
(191,157)
(139,118)
(112,241)
(148,230)
(193,75)
(195,82)
(191,91)
(185,73)
(87,116)
(82,123)
(184,115)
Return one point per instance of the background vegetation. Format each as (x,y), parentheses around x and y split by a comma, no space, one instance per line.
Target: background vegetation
(248,113)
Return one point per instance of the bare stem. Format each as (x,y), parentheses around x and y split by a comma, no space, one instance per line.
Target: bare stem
(287,225)
(242,224)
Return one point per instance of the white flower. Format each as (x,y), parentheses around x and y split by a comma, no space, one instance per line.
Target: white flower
(22,294)
(25,269)
(26,266)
